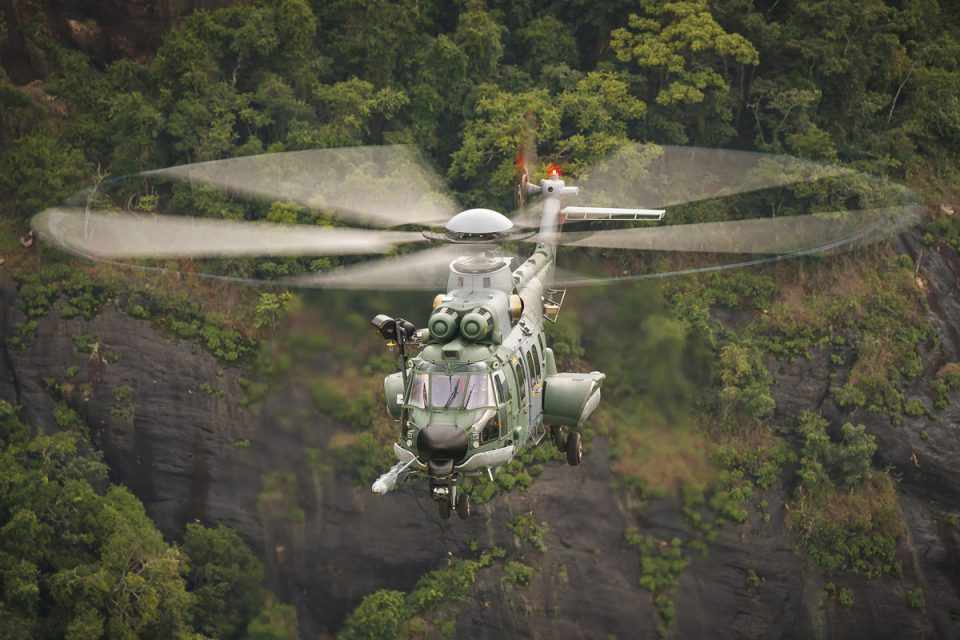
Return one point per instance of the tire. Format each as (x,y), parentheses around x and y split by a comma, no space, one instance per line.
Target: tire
(574,448)
(443,507)
(463,506)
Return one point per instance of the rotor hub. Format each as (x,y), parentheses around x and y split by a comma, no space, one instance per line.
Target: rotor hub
(479,222)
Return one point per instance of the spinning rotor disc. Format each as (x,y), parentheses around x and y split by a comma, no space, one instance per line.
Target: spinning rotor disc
(349,202)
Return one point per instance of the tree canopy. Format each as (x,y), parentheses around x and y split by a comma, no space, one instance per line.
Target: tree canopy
(871,82)
(80,558)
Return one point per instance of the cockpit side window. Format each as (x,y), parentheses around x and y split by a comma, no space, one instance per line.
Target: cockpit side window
(502,395)
(418,391)
(491,430)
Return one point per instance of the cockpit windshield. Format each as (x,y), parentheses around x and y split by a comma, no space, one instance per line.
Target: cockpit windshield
(459,391)
(443,390)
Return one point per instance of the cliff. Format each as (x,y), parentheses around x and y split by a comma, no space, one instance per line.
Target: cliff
(173,427)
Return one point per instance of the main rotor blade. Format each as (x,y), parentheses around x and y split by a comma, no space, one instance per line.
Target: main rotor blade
(658,177)
(817,234)
(384,186)
(415,271)
(128,235)
(655,177)
(754,236)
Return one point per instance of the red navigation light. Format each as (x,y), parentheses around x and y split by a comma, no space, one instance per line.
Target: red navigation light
(553,170)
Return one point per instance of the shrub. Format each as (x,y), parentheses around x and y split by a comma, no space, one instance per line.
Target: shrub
(517,573)
(758,455)
(914,407)
(378,617)
(528,530)
(850,530)
(361,457)
(746,382)
(915,598)
(825,462)
(842,595)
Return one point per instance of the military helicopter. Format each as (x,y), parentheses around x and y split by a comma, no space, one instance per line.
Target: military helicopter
(485,385)
(479,383)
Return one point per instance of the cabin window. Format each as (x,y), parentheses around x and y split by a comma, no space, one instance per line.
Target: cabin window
(536,360)
(521,384)
(486,283)
(531,368)
(543,347)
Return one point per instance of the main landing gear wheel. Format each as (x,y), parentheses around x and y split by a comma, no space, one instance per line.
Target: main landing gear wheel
(574,448)
(463,506)
(443,506)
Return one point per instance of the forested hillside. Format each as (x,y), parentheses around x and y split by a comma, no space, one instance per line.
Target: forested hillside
(182,457)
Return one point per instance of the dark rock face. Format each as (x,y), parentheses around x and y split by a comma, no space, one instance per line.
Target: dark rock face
(106,31)
(184,443)
(586,584)
(122,28)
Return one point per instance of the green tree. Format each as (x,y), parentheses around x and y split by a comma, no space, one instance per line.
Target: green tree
(373,40)
(41,171)
(272,307)
(353,112)
(76,562)
(577,127)
(480,37)
(275,621)
(378,617)
(690,61)
(546,41)
(225,579)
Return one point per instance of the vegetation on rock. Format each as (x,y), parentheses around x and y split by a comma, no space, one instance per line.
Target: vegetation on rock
(79,558)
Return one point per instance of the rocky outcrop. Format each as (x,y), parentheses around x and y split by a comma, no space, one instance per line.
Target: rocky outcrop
(106,31)
(122,28)
(169,420)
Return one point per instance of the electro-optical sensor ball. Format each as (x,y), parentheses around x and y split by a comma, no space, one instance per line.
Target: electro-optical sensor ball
(477,324)
(443,323)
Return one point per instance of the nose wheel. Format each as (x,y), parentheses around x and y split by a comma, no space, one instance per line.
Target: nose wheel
(448,499)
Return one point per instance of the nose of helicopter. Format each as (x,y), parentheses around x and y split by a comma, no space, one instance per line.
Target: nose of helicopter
(439,443)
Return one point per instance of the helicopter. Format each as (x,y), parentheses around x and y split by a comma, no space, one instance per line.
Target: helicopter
(485,385)
(479,383)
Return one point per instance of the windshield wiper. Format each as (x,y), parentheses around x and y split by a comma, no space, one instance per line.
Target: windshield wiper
(453,394)
(466,401)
